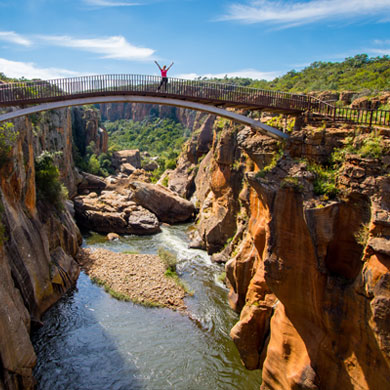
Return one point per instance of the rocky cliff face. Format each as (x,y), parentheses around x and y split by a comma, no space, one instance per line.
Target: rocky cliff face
(87,130)
(37,245)
(309,274)
(138,112)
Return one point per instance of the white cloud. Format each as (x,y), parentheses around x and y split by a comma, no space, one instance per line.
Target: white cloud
(109,3)
(115,47)
(382,49)
(13,37)
(249,73)
(30,71)
(291,13)
(382,42)
(380,52)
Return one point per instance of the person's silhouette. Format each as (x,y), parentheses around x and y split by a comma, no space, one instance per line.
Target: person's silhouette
(164,78)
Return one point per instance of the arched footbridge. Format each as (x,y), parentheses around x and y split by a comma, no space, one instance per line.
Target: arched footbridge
(215,98)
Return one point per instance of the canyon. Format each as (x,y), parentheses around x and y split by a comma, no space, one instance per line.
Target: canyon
(308,272)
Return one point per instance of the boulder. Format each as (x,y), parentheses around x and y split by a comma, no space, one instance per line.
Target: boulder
(112,212)
(384,97)
(325,96)
(127,168)
(365,103)
(112,236)
(346,97)
(150,166)
(91,183)
(132,157)
(168,206)
(380,245)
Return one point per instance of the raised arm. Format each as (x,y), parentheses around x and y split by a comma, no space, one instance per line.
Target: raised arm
(170,66)
(158,65)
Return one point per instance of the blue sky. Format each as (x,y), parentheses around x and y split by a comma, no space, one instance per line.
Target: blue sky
(250,38)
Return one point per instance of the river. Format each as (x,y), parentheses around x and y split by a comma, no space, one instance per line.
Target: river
(90,341)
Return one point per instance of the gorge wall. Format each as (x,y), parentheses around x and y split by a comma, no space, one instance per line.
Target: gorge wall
(138,112)
(309,274)
(38,241)
(307,271)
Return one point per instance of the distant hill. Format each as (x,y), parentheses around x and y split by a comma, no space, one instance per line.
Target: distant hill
(354,73)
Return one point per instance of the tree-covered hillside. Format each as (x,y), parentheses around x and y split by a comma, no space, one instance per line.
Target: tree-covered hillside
(154,135)
(354,73)
(161,138)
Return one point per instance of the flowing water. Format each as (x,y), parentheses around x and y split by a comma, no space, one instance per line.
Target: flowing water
(91,341)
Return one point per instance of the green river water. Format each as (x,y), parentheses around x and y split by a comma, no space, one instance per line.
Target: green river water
(91,341)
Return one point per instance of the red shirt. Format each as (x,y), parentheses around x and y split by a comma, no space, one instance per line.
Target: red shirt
(164,72)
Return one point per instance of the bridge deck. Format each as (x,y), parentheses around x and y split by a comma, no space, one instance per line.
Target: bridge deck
(198,91)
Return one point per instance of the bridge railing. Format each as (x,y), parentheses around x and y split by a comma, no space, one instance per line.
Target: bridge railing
(31,92)
(34,91)
(352,115)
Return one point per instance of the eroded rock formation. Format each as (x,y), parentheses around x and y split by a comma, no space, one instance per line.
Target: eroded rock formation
(309,275)
(37,245)
(164,203)
(114,212)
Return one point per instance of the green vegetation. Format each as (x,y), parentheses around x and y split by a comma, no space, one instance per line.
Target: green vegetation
(361,236)
(275,158)
(221,277)
(325,182)
(154,135)
(49,187)
(100,165)
(165,181)
(95,238)
(131,252)
(291,182)
(280,121)
(123,297)
(168,258)
(3,77)
(162,138)
(8,137)
(370,146)
(221,123)
(170,261)
(354,73)
(228,241)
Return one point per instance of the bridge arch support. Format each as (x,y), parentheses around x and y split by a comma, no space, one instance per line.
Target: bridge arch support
(268,130)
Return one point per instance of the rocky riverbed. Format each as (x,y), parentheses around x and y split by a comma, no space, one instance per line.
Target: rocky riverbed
(137,277)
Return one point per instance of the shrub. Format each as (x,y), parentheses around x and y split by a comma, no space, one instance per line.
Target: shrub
(292,182)
(275,158)
(93,165)
(165,181)
(170,163)
(170,261)
(8,137)
(338,155)
(372,146)
(168,258)
(325,182)
(49,188)
(361,236)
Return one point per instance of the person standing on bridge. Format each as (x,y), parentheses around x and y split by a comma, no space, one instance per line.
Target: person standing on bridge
(164,78)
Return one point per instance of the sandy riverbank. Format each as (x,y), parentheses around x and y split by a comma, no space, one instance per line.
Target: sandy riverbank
(137,277)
